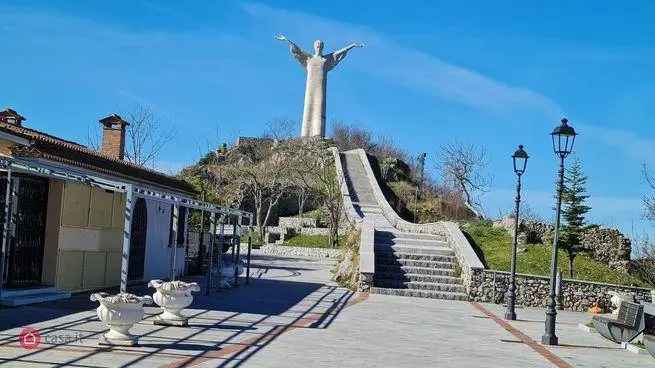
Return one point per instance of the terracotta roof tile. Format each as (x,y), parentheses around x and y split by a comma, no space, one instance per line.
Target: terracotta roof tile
(72,153)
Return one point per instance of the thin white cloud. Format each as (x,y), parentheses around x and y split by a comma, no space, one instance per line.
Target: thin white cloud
(634,145)
(390,60)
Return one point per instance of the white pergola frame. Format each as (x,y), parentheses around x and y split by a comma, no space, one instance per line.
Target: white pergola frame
(132,191)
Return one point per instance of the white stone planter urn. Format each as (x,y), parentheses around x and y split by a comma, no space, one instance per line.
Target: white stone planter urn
(120,312)
(173,297)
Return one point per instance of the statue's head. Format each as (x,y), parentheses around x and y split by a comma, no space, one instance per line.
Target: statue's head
(318,47)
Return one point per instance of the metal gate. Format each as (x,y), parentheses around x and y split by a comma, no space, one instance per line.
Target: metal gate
(25,252)
(138,240)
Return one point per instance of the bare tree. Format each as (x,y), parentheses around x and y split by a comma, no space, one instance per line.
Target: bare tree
(649,199)
(644,264)
(464,166)
(347,137)
(315,170)
(261,171)
(146,136)
(280,129)
(226,190)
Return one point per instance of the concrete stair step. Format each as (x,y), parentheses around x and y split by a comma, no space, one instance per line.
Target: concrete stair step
(411,242)
(384,270)
(416,285)
(33,298)
(367,206)
(391,257)
(409,277)
(415,263)
(395,233)
(419,293)
(403,249)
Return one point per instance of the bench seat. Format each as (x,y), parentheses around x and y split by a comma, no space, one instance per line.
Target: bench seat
(628,324)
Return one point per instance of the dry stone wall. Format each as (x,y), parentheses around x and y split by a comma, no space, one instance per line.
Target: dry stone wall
(288,251)
(532,291)
(605,245)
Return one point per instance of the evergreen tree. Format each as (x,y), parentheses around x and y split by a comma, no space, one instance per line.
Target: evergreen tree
(574,199)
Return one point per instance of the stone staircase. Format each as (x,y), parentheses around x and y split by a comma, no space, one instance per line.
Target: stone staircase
(406,264)
(415,265)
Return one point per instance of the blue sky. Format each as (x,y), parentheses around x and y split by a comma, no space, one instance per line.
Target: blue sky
(490,73)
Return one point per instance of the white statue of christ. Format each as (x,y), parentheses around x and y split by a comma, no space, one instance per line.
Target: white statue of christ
(317,66)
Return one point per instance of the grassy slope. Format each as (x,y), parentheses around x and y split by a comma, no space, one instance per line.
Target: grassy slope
(495,244)
(310,241)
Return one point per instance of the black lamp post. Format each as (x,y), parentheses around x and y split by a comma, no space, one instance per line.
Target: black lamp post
(563,138)
(520,160)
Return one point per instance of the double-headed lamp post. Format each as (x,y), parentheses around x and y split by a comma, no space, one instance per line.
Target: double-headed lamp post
(563,138)
(520,160)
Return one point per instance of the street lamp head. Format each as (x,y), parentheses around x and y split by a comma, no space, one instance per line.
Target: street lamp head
(520,159)
(563,138)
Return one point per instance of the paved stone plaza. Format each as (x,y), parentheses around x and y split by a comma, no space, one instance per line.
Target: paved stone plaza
(291,315)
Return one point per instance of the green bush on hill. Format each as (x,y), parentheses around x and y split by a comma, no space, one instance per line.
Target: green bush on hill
(494,246)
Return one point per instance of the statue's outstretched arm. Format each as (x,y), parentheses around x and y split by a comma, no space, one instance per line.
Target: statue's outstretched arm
(348,48)
(296,51)
(339,55)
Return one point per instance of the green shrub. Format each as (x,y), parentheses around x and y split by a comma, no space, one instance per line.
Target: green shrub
(254,236)
(311,241)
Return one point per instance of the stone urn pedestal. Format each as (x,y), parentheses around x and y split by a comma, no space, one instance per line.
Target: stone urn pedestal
(227,272)
(120,312)
(172,297)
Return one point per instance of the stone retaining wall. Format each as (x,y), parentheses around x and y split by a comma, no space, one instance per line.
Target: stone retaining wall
(286,251)
(605,245)
(296,222)
(532,291)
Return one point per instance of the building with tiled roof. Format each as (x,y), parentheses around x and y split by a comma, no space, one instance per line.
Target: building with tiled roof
(68,203)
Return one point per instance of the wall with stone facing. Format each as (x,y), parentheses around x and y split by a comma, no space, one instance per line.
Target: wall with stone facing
(605,245)
(608,246)
(532,291)
(296,222)
(287,251)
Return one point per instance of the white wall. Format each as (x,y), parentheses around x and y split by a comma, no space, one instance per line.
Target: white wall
(158,254)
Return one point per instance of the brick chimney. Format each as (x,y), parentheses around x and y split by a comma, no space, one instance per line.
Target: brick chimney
(10,116)
(113,136)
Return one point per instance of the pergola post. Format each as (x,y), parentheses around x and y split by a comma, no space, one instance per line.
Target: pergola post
(187,214)
(176,214)
(201,240)
(237,244)
(127,236)
(5,228)
(212,232)
(220,249)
